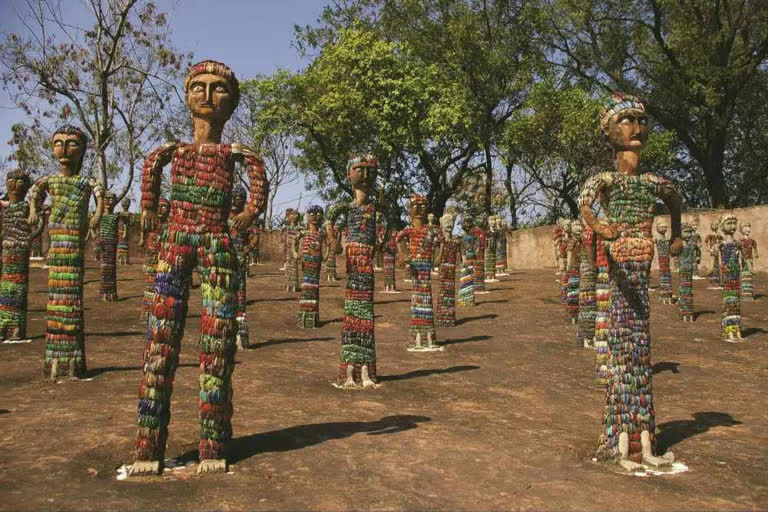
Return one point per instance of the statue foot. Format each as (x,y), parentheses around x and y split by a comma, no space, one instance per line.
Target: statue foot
(366,378)
(145,468)
(631,466)
(212,466)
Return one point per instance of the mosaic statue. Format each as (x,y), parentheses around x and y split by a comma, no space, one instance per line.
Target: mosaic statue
(358,344)
(418,242)
(381,230)
(36,244)
(603,311)
(154,240)
(565,243)
(17,233)
(254,255)
(629,198)
(572,270)
(291,232)
(68,225)
(108,249)
(388,247)
(450,252)
(587,305)
(712,243)
(479,264)
(123,257)
(665,271)
(434,223)
(697,241)
(310,249)
(240,238)
(558,239)
(197,236)
(333,238)
(749,252)
(689,257)
(731,261)
(501,247)
(491,239)
(468,257)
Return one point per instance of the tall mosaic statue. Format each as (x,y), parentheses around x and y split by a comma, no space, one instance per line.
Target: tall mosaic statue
(418,242)
(108,249)
(240,239)
(565,242)
(478,231)
(291,232)
(749,252)
(501,247)
(712,242)
(491,239)
(629,198)
(572,272)
(731,261)
(587,294)
(202,178)
(17,233)
(357,368)
(123,251)
(333,239)
(153,241)
(468,261)
(388,247)
(690,255)
(70,193)
(665,270)
(698,242)
(310,249)
(450,254)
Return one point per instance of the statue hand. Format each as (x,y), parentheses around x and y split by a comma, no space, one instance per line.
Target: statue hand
(148,220)
(33,219)
(95,220)
(676,246)
(242,220)
(607,231)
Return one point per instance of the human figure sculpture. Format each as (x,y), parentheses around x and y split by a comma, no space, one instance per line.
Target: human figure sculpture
(70,194)
(501,247)
(665,271)
(240,240)
(434,223)
(357,369)
(749,252)
(310,249)
(712,243)
(108,249)
(629,198)
(36,243)
(478,279)
(491,234)
(254,257)
(587,296)
(333,239)
(17,233)
(419,242)
(381,230)
(389,249)
(153,241)
(731,261)
(123,256)
(558,235)
(198,236)
(565,242)
(603,311)
(572,271)
(697,241)
(690,255)
(291,232)
(468,257)
(450,253)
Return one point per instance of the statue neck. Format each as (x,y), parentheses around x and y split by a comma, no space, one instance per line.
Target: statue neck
(628,162)
(207,132)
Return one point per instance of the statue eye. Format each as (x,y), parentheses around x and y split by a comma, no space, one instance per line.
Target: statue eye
(221,89)
(198,88)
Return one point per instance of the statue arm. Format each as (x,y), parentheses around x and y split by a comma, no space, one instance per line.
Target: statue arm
(151,175)
(592,190)
(674,203)
(257,178)
(40,187)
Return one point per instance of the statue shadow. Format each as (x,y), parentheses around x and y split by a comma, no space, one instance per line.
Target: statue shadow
(672,432)
(302,436)
(121,299)
(468,319)
(550,300)
(116,334)
(746,333)
(254,301)
(665,366)
(5,411)
(393,301)
(286,340)
(697,314)
(467,340)
(504,301)
(108,369)
(425,373)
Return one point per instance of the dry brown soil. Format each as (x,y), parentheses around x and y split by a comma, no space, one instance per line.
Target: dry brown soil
(506,418)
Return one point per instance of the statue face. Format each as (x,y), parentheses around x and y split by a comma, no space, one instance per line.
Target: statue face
(446,223)
(109,203)
(628,130)
(714,226)
(729,225)
(210,97)
(68,150)
(126,204)
(238,203)
(293,217)
(164,210)
(567,226)
(467,223)
(746,229)
(576,228)
(661,229)
(417,210)
(687,232)
(17,189)
(313,218)
(362,177)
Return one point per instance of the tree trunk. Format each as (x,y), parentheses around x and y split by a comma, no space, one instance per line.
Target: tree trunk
(512,198)
(712,164)
(488,180)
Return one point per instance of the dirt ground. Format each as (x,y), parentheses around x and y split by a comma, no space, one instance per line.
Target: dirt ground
(506,418)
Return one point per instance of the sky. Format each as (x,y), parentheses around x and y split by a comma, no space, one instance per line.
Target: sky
(251,36)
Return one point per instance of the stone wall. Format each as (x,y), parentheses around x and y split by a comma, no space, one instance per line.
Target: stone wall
(532,248)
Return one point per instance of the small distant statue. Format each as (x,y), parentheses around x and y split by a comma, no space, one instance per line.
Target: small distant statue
(712,242)
(501,247)
(665,271)
(572,270)
(690,255)
(291,231)
(153,241)
(749,251)
(123,251)
(333,239)
(565,242)
(731,261)
(310,249)
(450,253)
(468,261)
(108,249)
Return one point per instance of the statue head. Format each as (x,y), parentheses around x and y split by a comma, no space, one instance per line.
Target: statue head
(17,183)
(661,228)
(745,228)
(467,223)
(212,91)
(728,223)
(576,228)
(566,226)
(314,215)
(624,121)
(492,223)
(446,224)
(431,219)
(694,224)
(164,208)
(110,201)
(361,171)
(69,145)
(715,225)
(239,196)
(417,209)
(291,216)
(686,231)
(126,204)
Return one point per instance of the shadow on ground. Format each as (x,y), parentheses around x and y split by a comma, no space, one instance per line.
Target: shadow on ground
(425,373)
(672,432)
